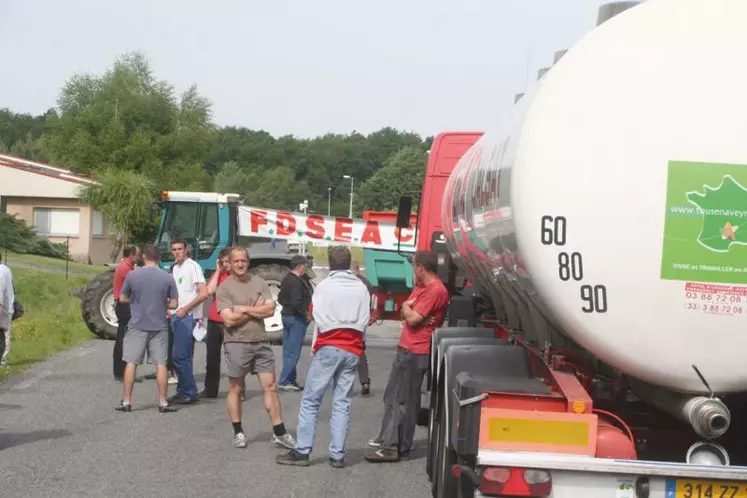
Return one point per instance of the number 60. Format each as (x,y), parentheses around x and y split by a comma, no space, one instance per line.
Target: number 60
(553,230)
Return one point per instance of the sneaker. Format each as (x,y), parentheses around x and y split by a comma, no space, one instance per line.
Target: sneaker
(383,455)
(375,442)
(239,440)
(366,389)
(290,388)
(150,376)
(207,394)
(124,407)
(167,408)
(284,441)
(173,380)
(178,399)
(293,458)
(336,463)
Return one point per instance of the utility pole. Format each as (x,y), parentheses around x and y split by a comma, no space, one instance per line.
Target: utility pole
(303,206)
(352,182)
(329,201)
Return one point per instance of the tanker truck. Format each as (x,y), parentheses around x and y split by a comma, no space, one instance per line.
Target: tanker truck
(594,246)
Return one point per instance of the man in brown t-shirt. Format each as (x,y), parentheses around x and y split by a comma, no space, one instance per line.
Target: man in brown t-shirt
(244,301)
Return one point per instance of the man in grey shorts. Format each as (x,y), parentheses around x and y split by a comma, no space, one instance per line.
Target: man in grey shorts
(149,291)
(244,301)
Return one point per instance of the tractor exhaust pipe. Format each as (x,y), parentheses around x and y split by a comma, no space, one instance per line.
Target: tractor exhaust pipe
(709,416)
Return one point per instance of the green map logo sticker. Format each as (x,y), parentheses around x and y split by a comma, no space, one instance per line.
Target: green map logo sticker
(705,223)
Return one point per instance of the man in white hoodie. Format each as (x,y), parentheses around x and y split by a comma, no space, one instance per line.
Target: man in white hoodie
(7,299)
(341,310)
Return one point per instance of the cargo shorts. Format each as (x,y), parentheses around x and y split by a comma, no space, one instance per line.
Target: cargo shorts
(243,358)
(137,342)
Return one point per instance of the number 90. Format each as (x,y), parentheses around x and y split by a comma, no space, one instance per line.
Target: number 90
(595,298)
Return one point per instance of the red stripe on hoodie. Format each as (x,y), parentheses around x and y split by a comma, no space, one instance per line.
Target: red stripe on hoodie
(346,339)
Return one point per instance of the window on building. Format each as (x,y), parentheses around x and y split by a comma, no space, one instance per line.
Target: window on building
(97,223)
(57,222)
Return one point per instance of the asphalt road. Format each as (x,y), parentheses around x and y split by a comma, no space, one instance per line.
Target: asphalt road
(60,436)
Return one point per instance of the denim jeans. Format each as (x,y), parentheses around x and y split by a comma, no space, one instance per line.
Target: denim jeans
(183,353)
(294,331)
(329,364)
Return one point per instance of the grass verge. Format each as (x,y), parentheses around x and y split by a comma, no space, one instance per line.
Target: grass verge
(58,264)
(52,322)
(320,254)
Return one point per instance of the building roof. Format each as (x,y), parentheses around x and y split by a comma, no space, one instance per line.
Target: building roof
(43,169)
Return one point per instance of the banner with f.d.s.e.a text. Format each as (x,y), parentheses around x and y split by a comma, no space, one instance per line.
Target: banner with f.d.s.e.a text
(271,223)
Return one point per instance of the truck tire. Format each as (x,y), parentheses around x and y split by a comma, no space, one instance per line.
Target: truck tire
(444,339)
(97,306)
(445,483)
(273,274)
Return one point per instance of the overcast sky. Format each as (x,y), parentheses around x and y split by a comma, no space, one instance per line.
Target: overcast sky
(302,67)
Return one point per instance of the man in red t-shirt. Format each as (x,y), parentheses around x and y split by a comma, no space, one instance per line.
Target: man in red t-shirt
(214,337)
(130,255)
(422,313)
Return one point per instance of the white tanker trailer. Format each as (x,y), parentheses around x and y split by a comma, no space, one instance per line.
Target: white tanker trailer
(605,222)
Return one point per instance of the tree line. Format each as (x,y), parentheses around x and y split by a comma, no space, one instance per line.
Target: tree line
(137,136)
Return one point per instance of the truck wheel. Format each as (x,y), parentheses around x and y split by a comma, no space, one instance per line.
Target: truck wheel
(435,452)
(97,306)
(273,274)
(430,461)
(446,483)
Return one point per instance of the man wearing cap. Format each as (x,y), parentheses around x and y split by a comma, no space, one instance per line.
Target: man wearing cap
(295,298)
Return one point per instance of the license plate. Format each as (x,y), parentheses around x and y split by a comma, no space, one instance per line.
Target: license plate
(695,488)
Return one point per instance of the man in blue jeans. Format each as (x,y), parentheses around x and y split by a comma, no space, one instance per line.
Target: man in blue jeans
(294,297)
(190,283)
(341,310)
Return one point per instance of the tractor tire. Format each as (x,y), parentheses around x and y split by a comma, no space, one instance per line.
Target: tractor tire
(97,297)
(273,274)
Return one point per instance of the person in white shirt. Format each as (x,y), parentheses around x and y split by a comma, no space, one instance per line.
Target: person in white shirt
(192,289)
(7,299)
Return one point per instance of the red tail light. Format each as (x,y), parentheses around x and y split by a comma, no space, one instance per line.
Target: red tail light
(504,481)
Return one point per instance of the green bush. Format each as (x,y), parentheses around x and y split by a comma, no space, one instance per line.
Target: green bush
(17,236)
(52,321)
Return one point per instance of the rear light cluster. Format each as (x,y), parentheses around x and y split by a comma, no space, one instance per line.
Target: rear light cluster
(504,481)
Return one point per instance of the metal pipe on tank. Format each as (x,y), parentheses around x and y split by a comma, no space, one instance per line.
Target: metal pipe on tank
(709,417)
(610,10)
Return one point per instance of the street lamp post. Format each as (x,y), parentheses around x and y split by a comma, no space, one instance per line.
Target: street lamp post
(303,206)
(329,201)
(352,182)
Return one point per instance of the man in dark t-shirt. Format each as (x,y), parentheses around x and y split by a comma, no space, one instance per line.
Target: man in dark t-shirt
(363,375)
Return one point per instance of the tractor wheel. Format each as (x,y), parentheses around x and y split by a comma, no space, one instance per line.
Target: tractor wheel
(97,306)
